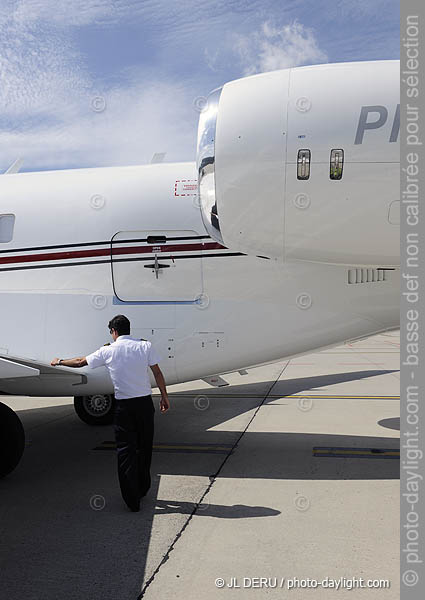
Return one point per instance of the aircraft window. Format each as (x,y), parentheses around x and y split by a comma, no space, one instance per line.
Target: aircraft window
(7,224)
(336,164)
(303,164)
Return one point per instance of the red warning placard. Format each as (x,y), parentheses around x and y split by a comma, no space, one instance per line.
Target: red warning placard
(186,187)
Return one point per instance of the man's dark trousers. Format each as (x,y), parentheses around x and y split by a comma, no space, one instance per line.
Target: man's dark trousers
(134,428)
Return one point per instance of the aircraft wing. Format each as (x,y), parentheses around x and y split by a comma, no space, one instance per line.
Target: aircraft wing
(11,370)
(16,368)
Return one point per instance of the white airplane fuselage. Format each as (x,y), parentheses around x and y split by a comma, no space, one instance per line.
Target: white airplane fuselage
(88,244)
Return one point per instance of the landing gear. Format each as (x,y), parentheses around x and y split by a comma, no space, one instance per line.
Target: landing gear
(95,410)
(12,440)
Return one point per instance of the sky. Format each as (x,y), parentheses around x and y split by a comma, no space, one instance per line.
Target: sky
(94,83)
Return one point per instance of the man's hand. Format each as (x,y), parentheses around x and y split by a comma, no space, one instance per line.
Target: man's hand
(55,362)
(164,404)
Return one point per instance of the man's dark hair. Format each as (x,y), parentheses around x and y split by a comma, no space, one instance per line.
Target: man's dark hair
(121,325)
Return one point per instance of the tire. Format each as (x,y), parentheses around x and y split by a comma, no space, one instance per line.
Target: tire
(95,410)
(12,440)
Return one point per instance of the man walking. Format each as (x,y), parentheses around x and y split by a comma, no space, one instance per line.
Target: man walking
(127,361)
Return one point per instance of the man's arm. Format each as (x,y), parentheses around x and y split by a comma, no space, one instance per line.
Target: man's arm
(70,362)
(164,404)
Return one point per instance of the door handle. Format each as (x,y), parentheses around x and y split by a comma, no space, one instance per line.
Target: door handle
(156,266)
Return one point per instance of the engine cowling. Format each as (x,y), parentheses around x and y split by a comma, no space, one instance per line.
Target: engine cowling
(303,164)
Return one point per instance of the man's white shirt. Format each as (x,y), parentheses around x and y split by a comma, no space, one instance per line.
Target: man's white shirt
(127,361)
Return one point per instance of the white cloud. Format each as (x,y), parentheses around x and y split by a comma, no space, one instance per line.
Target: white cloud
(138,120)
(46,87)
(42,76)
(274,48)
(47,114)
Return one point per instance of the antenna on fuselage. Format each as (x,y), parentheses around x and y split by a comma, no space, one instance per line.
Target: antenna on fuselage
(15,167)
(158,157)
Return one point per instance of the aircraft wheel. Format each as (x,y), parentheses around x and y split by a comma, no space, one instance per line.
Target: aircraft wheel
(95,410)
(12,440)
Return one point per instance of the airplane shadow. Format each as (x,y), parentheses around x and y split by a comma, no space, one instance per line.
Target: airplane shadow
(234,511)
(63,522)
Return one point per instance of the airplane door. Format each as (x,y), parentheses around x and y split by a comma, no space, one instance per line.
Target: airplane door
(157,266)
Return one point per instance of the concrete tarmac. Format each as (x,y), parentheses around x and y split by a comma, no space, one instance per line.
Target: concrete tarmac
(289,472)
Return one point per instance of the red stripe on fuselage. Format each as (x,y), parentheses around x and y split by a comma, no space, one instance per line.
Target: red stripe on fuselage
(4,260)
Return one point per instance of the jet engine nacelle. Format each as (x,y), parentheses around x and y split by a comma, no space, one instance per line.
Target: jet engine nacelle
(303,164)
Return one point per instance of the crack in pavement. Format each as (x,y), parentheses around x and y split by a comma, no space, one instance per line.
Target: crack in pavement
(212,480)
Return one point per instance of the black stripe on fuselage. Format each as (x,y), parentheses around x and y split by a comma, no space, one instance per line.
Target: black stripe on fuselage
(108,261)
(106,243)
